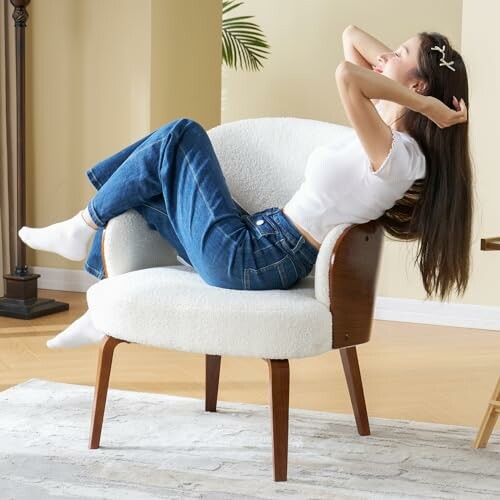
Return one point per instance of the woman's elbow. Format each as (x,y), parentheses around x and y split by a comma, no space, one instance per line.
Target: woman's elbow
(348,30)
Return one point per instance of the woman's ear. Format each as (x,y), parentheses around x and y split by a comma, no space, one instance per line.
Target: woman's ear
(419,86)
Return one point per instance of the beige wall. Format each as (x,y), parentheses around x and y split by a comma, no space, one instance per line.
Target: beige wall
(101,74)
(298,80)
(480,51)
(186,58)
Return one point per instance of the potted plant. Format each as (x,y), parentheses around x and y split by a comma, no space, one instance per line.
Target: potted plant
(242,41)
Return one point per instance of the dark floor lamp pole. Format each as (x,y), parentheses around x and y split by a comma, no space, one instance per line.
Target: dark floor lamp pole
(21,288)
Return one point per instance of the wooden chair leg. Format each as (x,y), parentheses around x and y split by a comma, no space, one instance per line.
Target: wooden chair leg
(107,348)
(353,377)
(489,420)
(279,382)
(212,373)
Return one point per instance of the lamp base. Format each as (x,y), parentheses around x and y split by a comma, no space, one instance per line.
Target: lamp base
(21,298)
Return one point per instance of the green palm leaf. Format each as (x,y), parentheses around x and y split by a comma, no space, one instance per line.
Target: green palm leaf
(242,41)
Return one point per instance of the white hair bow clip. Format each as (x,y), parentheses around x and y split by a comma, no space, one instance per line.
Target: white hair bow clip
(443,62)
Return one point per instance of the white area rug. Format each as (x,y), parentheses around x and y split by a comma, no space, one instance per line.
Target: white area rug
(159,446)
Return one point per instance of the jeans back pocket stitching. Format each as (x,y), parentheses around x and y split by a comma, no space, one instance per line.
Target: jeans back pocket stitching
(306,257)
(280,272)
(292,249)
(262,249)
(269,266)
(296,273)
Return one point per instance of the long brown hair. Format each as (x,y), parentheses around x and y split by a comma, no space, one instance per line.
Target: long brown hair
(437,210)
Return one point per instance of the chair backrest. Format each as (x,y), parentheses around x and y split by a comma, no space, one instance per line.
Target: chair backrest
(263,159)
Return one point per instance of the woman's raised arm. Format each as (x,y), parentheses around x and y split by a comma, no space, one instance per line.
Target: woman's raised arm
(360,48)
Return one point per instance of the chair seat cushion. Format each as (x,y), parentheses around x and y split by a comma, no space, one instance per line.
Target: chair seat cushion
(174,308)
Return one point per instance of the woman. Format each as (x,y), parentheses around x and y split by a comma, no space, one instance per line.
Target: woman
(418,184)
(435,210)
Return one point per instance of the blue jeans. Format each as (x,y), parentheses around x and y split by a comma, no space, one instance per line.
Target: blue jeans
(173,178)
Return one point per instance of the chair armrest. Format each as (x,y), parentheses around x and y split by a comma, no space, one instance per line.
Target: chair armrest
(129,244)
(346,275)
(323,263)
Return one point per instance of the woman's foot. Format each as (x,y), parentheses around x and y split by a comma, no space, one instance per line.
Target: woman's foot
(69,238)
(80,332)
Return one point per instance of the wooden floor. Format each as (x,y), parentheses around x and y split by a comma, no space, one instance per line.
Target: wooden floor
(410,371)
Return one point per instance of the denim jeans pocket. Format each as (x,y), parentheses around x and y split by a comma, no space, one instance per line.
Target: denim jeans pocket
(291,246)
(301,255)
(281,274)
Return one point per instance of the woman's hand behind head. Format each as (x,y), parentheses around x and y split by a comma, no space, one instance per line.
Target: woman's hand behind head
(442,115)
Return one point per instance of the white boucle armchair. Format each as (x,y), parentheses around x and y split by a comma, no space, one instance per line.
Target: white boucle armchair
(151,297)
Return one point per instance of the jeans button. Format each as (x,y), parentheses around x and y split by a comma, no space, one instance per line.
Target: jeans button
(259,222)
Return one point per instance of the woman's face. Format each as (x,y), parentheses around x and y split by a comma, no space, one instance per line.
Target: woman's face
(398,65)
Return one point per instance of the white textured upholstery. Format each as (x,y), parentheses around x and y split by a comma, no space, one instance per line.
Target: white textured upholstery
(173,307)
(263,160)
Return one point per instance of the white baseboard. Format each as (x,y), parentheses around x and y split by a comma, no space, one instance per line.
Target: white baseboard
(437,313)
(67,280)
(386,308)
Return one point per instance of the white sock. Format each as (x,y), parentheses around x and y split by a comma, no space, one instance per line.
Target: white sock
(80,332)
(69,238)
(88,219)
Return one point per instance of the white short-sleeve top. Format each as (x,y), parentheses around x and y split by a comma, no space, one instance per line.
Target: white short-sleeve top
(340,185)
